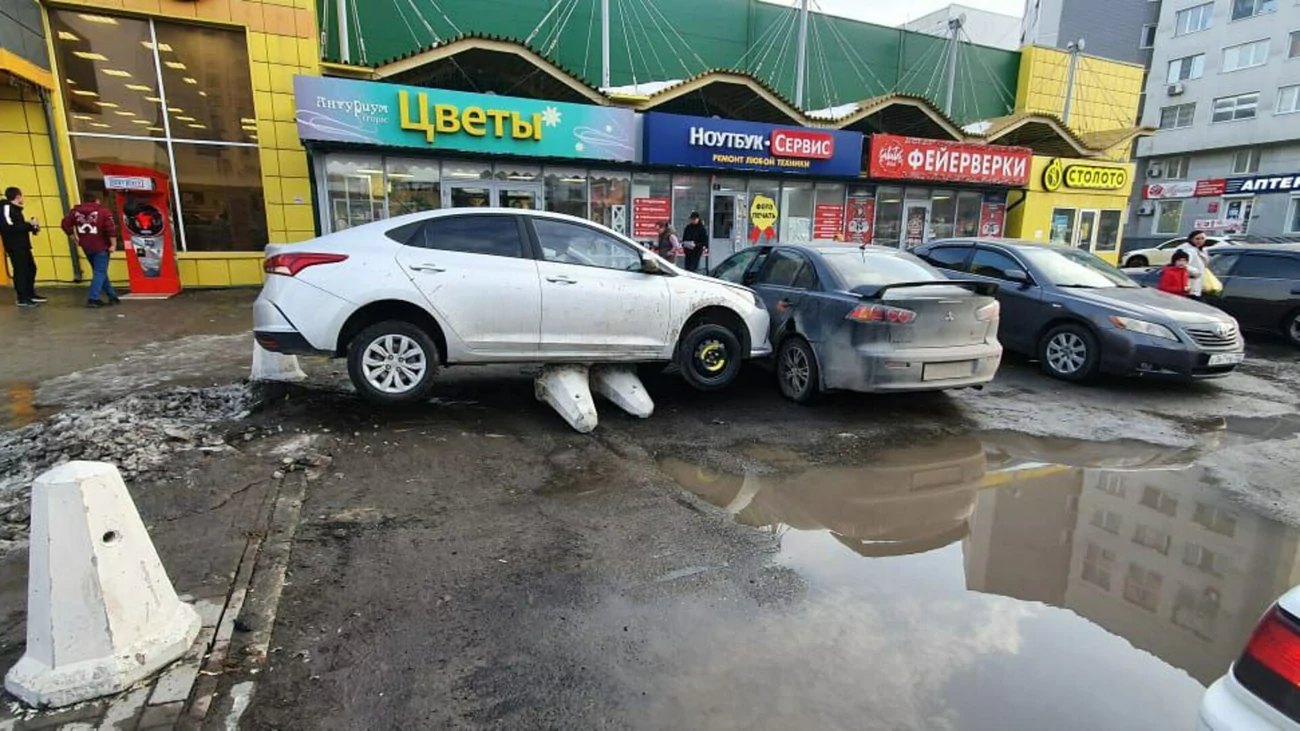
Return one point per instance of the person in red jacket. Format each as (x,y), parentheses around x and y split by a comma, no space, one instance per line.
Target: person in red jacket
(92,225)
(1174,277)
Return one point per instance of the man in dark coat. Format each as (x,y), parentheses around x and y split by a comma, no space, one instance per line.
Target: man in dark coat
(695,238)
(16,232)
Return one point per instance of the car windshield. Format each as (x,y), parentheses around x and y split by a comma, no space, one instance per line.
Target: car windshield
(857,268)
(1075,268)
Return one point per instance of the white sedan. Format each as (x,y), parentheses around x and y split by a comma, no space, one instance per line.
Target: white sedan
(1161,255)
(402,297)
(1261,691)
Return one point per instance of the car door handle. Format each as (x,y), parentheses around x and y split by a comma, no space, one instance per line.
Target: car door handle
(434,268)
(562,280)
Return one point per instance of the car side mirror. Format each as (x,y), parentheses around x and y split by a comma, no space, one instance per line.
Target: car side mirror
(1019,276)
(650,265)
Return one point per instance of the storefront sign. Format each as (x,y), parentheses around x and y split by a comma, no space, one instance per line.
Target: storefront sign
(1083,177)
(673,139)
(828,221)
(1185,189)
(647,214)
(1263,184)
(859,219)
(127,182)
(991,218)
(762,218)
(914,158)
(1220,225)
(366,112)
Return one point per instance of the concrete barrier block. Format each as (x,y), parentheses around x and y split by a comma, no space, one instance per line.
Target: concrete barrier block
(268,366)
(101,612)
(621,385)
(565,388)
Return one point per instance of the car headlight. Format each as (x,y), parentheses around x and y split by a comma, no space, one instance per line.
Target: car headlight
(758,301)
(1144,327)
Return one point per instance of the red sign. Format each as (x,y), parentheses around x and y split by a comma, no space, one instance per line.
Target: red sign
(143,197)
(859,222)
(647,214)
(803,143)
(1212,207)
(828,220)
(914,158)
(1207,188)
(991,219)
(1211,187)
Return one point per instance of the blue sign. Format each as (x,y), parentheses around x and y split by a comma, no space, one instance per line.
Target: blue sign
(1263,184)
(703,142)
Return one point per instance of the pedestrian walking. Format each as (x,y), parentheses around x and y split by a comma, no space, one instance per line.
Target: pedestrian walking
(1197,261)
(668,242)
(1174,278)
(16,233)
(91,224)
(695,239)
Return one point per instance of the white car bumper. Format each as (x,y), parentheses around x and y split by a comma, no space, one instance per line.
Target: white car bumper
(297,318)
(1229,707)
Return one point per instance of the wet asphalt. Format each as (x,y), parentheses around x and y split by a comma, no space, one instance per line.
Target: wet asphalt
(1033,555)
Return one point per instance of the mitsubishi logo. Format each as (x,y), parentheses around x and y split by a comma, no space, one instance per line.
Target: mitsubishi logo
(949,317)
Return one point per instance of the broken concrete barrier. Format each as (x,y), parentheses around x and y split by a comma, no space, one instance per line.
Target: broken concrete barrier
(101,612)
(268,366)
(621,385)
(565,389)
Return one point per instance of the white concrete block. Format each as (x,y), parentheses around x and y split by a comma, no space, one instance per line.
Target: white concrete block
(621,385)
(101,612)
(565,388)
(268,366)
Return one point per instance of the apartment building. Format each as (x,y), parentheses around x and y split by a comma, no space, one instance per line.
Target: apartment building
(1223,89)
(1120,30)
(982,27)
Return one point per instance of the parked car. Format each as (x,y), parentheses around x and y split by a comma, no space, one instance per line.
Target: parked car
(402,297)
(1081,316)
(1161,255)
(1262,688)
(868,319)
(1261,286)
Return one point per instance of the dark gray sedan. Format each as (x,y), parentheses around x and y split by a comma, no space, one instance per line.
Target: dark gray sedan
(1081,316)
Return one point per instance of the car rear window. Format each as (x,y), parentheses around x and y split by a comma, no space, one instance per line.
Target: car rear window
(857,268)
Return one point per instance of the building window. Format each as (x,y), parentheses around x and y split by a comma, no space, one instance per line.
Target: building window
(1288,100)
(795,224)
(566,191)
(1215,520)
(1194,19)
(1168,218)
(968,213)
(1235,108)
(1250,8)
(889,216)
(1178,116)
(1245,161)
(1176,168)
(1098,563)
(1142,587)
(1153,538)
(354,190)
(1197,611)
(1202,558)
(1245,56)
(413,185)
(1293,51)
(1148,39)
(1062,229)
(1293,218)
(1107,520)
(1112,483)
(1159,501)
(197,127)
(943,214)
(1108,226)
(1185,68)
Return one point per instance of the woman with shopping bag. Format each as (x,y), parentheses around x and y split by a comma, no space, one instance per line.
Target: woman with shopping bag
(1201,279)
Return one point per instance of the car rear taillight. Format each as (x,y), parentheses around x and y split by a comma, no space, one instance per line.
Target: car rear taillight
(881,313)
(1275,644)
(290,264)
(989,312)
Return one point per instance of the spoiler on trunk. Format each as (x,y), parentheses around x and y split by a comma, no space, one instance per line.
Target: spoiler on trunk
(876,291)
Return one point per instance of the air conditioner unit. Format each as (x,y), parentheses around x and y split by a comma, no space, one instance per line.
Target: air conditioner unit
(1146,208)
(1175,89)
(1155,170)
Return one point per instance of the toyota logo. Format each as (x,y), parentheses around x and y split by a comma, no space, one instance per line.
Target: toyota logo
(1224,329)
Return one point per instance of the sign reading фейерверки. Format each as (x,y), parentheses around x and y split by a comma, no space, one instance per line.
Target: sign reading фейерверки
(393,115)
(704,142)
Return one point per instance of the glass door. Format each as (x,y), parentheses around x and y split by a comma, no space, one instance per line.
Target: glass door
(916,222)
(1086,231)
(722,234)
(518,196)
(467,195)
(482,194)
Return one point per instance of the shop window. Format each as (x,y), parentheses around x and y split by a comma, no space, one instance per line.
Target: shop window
(889,216)
(652,196)
(511,172)
(1168,218)
(209,91)
(566,191)
(91,152)
(969,205)
(221,197)
(796,212)
(828,212)
(690,195)
(1293,217)
(770,189)
(1108,226)
(609,199)
(943,214)
(413,186)
(354,190)
(110,84)
(1062,231)
(461,171)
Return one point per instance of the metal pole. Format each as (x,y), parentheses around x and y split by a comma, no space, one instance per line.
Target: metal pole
(345,55)
(954,26)
(1075,48)
(802,61)
(604,44)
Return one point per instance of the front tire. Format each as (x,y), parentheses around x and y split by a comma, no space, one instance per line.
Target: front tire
(392,363)
(710,357)
(796,370)
(1291,328)
(1069,352)
(1137,261)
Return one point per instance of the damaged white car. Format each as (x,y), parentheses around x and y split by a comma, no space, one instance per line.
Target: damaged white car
(402,297)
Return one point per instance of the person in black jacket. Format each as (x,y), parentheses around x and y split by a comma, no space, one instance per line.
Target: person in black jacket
(16,233)
(695,239)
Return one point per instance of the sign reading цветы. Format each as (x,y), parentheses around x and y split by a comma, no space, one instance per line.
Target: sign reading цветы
(393,115)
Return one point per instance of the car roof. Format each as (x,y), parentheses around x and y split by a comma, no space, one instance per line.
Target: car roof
(845,248)
(444,212)
(1241,248)
(1014,244)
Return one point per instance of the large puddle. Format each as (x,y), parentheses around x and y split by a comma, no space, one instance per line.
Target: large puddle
(1019,582)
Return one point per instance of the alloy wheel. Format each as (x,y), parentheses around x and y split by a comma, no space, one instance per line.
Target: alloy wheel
(1067,353)
(795,369)
(394,363)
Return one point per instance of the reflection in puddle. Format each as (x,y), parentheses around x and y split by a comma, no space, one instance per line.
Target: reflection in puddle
(1130,537)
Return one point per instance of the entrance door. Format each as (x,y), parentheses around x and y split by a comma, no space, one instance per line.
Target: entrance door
(722,232)
(485,193)
(1086,231)
(518,196)
(916,223)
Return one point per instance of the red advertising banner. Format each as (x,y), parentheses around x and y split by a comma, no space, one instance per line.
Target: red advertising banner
(914,158)
(991,219)
(1208,188)
(828,220)
(859,223)
(647,214)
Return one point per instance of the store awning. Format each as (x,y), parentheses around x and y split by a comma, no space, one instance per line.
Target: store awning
(1112,138)
(898,114)
(725,94)
(1044,134)
(484,64)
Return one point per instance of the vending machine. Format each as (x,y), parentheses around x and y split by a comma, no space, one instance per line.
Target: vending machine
(142,202)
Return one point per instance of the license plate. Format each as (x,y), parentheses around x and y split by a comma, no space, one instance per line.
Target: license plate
(943,371)
(1219,359)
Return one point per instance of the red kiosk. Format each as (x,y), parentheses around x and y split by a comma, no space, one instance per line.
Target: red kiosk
(142,204)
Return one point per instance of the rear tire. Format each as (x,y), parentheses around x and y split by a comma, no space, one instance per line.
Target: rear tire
(392,363)
(1137,261)
(710,357)
(1069,352)
(796,370)
(1291,328)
